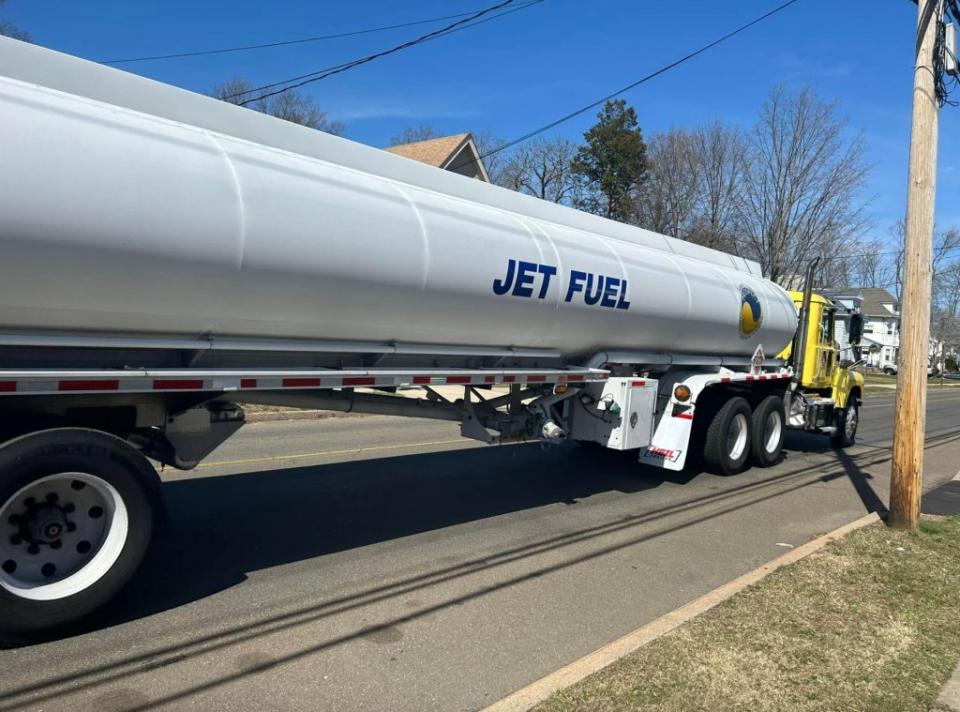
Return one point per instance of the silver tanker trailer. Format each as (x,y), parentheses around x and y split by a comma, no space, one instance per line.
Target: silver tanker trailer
(168,258)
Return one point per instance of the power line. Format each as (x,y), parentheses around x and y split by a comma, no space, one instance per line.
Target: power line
(327,70)
(284,43)
(471,21)
(642,80)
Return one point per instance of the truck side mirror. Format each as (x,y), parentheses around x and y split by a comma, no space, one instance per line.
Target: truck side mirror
(856,328)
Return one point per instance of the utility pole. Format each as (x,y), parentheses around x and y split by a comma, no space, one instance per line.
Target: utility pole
(909,418)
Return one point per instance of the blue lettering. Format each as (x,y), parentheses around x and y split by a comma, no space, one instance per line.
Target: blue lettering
(547,271)
(502,286)
(623,303)
(525,274)
(576,284)
(589,298)
(610,293)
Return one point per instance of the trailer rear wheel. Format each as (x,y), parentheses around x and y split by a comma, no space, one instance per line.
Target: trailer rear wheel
(769,428)
(77,511)
(726,446)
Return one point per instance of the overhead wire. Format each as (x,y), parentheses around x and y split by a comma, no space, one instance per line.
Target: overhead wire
(632,85)
(473,20)
(284,43)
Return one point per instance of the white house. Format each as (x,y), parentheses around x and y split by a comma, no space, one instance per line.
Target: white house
(880,344)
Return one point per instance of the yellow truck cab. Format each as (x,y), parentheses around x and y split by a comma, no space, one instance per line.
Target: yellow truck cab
(828,392)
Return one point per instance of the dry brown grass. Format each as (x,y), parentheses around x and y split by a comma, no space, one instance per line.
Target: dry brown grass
(859,625)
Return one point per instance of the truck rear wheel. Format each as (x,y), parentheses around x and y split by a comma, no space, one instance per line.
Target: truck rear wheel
(769,428)
(77,511)
(726,446)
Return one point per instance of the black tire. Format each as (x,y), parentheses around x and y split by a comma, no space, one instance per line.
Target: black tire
(769,429)
(848,416)
(721,455)
(90,579)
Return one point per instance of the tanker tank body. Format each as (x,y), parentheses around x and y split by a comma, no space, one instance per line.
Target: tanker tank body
(169,258)
(141,209)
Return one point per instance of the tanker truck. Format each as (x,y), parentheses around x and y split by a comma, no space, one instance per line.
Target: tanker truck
(168,259)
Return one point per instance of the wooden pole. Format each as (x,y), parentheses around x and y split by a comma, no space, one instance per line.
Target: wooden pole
(908,430)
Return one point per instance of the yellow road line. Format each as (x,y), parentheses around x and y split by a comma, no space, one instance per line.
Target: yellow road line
(327,453)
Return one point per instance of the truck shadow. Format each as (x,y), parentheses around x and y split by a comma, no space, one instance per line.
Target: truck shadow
(221,527)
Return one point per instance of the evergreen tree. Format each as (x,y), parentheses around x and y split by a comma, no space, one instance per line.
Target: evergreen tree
(612,163)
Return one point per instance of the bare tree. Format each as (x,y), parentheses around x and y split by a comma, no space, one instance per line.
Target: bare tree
(8,29)
(289,106)
(413,134)
(493,158)
(944,256)
(668,199)
(870,265)
(542,168)
(719,158)
(801,185)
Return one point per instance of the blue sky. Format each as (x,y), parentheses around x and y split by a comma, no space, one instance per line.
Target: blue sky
(516,73)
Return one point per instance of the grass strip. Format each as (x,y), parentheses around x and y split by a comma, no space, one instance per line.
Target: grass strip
(870,622)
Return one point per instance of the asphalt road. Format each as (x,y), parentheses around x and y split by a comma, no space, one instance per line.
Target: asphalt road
(380,564)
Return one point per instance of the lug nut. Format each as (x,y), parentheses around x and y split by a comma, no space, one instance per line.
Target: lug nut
(33,549)
(71,527)
(16,540)
(56,544)
(52,497)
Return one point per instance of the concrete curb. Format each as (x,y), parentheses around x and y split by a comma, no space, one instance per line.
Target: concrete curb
(537,692)
(949,698)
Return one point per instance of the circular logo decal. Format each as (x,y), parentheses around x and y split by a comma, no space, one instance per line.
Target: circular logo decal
(751,314)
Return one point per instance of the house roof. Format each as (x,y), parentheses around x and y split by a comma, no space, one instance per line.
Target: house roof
(873,299)
(435,151)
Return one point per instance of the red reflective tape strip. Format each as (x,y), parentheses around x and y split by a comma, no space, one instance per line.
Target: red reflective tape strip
(489,379)
(724,380)
(8,386)
(637,384)
(509,379)
(177,384)
(453,380)
(89,385)
(359,381)
(421,379)
(300,382)
(248,382)
(685,416)
(749,378)
(575,377)
(536,379)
